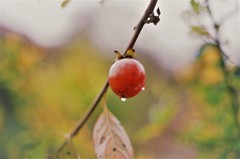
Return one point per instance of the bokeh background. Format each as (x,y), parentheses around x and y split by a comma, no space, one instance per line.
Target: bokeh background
(54,61)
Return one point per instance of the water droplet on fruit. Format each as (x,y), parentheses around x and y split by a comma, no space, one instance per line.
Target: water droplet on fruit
(143,88)
(123,99)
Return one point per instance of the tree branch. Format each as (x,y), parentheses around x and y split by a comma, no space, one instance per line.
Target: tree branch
(231,90)
(92,107)
(84,119)
(141,23)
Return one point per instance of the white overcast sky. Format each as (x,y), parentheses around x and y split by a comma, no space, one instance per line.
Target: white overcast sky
(111,25)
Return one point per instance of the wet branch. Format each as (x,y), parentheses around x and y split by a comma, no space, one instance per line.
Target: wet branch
(148,17)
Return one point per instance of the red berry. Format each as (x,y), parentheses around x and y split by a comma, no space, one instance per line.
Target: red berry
(127,77)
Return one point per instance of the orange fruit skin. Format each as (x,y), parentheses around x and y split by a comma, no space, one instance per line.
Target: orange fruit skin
(127,77)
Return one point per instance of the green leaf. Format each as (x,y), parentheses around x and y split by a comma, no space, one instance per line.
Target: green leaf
(200,30)
(64,3)
(40,151)
(102,1)
(195,6)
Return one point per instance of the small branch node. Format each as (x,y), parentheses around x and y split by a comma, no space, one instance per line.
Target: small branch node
(152,18)
(67,136)
(216,26)
(158,11)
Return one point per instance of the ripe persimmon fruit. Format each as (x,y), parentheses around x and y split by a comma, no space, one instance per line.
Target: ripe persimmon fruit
(127,77)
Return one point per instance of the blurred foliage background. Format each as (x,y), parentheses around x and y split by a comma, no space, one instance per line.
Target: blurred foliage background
(45,91)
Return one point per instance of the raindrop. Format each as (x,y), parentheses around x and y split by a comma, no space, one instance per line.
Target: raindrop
(143,88)
(123,99)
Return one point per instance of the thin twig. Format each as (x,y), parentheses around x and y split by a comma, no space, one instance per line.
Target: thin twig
(141,23)
(216,26)
(83,120)
(92,107)
(231,90)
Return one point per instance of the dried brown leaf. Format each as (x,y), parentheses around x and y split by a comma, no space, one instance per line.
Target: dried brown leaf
(110,139)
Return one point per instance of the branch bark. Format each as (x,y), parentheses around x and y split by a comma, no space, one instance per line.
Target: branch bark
(141,23)
(93,106)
